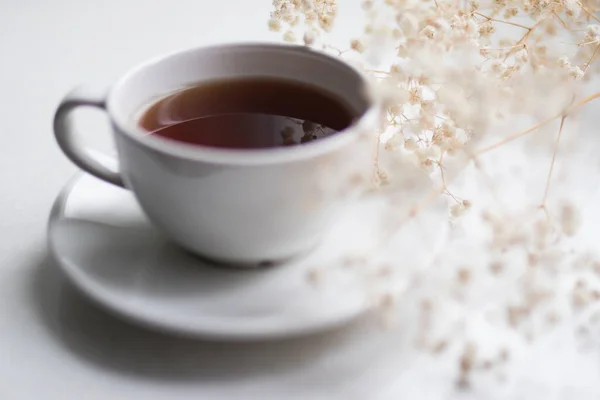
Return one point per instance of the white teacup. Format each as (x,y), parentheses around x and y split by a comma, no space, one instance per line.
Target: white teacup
(242,206)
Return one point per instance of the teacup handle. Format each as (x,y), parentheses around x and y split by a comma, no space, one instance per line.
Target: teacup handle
(65,134)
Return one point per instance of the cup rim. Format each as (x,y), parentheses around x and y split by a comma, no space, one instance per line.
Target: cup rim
(274,155)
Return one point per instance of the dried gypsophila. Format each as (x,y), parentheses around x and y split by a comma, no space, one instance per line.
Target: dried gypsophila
(311,17)
(455,75)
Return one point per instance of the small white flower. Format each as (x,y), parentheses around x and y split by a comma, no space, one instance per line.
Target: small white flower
(576,73)
(486,29)
(511,12)
(592,33)
(357,45)
(449,129)
(521,56)
(397,72)
(572,8)
(471,27)
(384,177)
(564,62)
(309,38)
(458,22)
(428,31)
(408,22)
(428,166)
(410,144)
(289,37)
(457,210)
(402,51)
(570,219)
(541,5)
(274,25)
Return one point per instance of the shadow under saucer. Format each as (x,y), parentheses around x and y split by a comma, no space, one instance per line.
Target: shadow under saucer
(329,362)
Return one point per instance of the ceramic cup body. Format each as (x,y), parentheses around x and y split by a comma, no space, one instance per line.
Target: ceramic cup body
(242,206)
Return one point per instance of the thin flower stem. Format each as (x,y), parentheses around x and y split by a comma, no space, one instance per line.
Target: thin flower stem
(442,170)
(587,65)
(506,48)
(584,43)
(591,14)
(501,21)
(516,135)
(524,38)
(376,171)
(564,113)
(583,102)
(452,196)
(560,130)
(560,21)
(340,52)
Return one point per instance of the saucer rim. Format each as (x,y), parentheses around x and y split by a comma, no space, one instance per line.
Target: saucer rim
(189,331)
(131,316)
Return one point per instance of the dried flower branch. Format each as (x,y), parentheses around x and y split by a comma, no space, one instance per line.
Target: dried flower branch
(453,78)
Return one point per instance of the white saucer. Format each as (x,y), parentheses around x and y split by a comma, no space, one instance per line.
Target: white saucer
(106,246)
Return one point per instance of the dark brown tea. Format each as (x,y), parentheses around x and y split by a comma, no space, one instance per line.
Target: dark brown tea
(247,113)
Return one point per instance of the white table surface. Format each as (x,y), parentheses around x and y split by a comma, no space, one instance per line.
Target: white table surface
(56,345)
